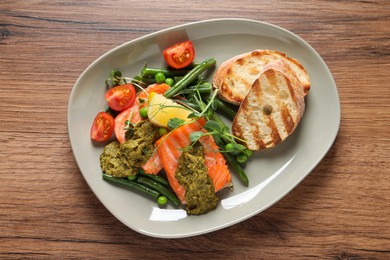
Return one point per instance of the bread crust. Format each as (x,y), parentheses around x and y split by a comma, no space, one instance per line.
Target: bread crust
(235,76)
(271,110)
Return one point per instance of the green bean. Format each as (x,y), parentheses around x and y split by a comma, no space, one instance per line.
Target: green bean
(222,124)
(136,79)
(191,66)
(177,78)
(232,162)
(163,190)
(189,104)
(224,108)
(132,185)
(151,72)
(189,77)
(155,177)
(241,158)
(248,152)
(202,88)
(148,80)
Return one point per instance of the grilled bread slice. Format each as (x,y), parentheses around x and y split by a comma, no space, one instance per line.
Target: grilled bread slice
(271,110)
(235,76)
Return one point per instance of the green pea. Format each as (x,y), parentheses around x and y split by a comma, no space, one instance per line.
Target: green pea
(159,77)
(162,131)
(162,201)
(143,112)
(248,153)
(229,147)
(169,82)
(132,177)
(241,158)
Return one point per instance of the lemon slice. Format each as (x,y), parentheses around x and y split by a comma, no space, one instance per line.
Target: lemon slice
(162,109)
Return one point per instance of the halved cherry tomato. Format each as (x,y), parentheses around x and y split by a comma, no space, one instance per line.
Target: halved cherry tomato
(121,97)
(132,113)
(179,55)
(102,127)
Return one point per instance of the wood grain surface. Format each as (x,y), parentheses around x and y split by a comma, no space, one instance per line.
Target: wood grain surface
(47,211)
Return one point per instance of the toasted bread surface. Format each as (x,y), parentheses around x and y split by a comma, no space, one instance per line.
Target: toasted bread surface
(235,76)
(270,111)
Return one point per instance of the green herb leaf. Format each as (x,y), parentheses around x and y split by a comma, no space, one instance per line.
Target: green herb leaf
(194,136)
(129,133)
(239,147)
(214,105)
(115,79)
(193,115)
(213,126)
(175,123)
(115,73)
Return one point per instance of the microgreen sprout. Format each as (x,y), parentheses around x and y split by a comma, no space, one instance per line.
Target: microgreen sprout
(116,79)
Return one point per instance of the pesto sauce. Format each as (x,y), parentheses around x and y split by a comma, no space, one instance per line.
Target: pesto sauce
(111,160)
(192,174)
(121,160)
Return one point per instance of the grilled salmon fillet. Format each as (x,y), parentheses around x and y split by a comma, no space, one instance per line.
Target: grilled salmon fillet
(235,76)
(170,149)
(271,110)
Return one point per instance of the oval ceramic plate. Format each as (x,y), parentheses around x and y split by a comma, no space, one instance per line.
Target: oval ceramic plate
(272,172)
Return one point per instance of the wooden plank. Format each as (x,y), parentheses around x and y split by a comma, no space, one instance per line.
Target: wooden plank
(47,211)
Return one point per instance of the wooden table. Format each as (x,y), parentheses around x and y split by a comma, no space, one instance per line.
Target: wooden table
(47,211)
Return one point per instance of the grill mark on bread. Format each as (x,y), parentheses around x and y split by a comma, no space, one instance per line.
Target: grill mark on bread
(251,130)
(291,89)
(232,96)
(260,144)
(270,89)
(270,75)
(250,65)
(229,72)
(272,81)
(228,90)
(256,53)
(245,83)
(275,133)
(270,112)
(303,77)
(288,122)
(256,128)
(240,61)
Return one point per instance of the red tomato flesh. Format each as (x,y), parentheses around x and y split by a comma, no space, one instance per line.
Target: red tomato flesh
(179,55)
(102,127)
(121,97)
